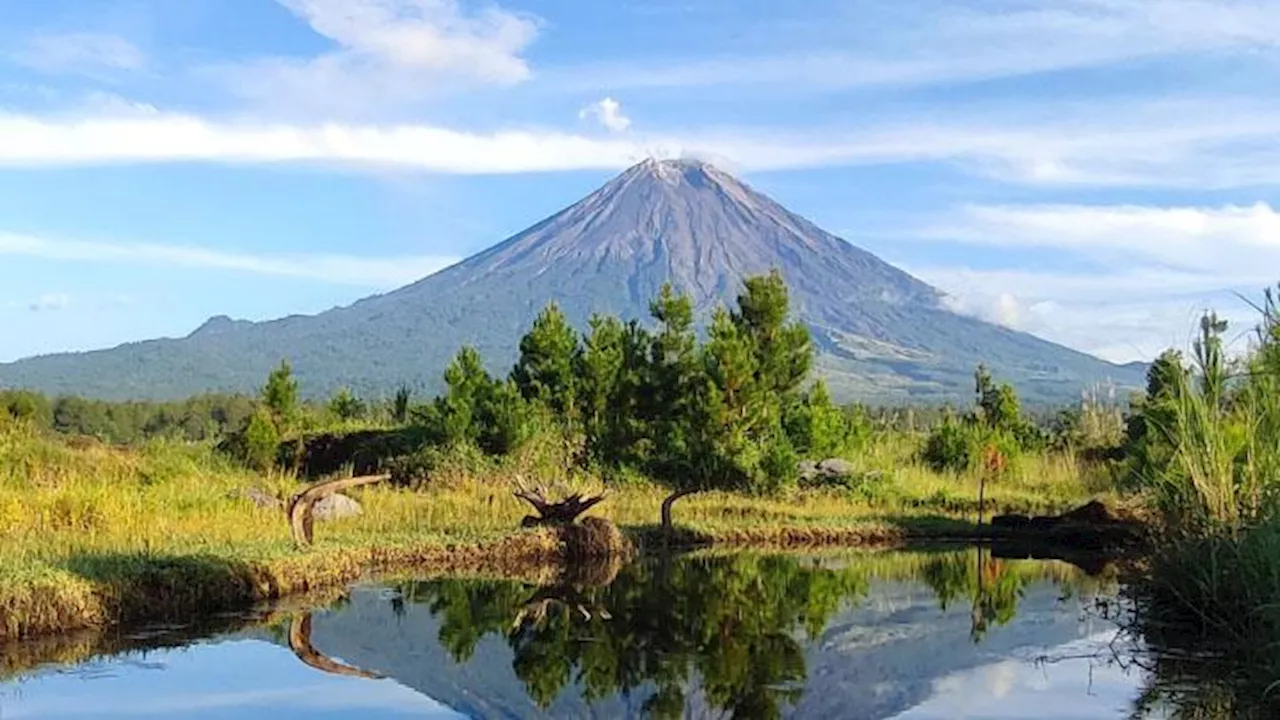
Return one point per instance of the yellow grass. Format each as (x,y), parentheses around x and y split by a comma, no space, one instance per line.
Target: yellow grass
(94,535)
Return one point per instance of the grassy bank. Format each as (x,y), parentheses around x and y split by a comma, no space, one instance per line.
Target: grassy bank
(95,534)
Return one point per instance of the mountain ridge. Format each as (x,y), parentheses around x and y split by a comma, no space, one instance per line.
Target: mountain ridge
(882,333)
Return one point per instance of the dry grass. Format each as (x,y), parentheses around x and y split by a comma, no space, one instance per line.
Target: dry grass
(95,535)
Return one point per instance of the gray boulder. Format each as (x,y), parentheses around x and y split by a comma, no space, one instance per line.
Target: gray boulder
(263,499)
(807,469)
(836,467)
(336,507)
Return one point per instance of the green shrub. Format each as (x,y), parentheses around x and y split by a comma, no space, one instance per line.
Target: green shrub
(261,442)
(950,447)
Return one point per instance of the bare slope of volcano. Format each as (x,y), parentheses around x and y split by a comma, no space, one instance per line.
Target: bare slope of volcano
(883,334)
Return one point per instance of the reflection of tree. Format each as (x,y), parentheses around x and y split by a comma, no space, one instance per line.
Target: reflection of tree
(990,584)
(731,622)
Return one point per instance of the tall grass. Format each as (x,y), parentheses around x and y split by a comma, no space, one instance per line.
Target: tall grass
(1210,599)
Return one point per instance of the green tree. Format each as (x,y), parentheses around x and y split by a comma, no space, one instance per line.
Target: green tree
(753,365)
(674,376)
(261,441)
(1151,429)
(280,396)
(998,405)
(599,370)
(783,353)
(477,409)
(346,406)
(77,416)
(400,404)
(26,406)
(819,429)
(545,370)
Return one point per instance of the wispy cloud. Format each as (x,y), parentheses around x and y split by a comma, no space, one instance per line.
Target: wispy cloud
(1199,143)
(83,52)
(1157,268)
(388,53)
(1216,242)
(607,112)
(1120,316)
(49,301)
(930,43)
(383,273)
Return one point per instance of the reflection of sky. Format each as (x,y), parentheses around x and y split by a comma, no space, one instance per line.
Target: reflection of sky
(1076,683)
(223,680)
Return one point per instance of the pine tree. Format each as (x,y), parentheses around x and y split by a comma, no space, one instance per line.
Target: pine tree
(280,396)
(673,378)
(545,370)
(783,352)
(467,383)
(400,404)
(346,406)
(599,368)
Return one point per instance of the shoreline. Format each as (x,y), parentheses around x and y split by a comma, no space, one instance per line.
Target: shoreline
(115,591)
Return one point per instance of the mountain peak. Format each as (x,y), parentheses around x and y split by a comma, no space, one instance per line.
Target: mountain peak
(677,171)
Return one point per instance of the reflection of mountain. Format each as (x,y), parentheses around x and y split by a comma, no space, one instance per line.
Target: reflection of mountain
(885,657)
(873,661)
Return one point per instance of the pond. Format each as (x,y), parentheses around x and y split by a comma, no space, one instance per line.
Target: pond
(926,634)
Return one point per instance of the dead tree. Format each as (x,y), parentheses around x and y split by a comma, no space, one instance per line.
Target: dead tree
(300,506)
(562,512)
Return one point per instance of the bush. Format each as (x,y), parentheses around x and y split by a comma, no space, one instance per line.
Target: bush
(261,442)
(950,447)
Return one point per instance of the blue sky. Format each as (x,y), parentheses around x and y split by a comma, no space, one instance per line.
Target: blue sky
(1092,171)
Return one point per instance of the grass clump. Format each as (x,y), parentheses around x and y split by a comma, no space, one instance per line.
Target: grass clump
(1208,457)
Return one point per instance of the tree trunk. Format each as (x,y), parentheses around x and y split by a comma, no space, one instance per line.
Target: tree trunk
(982,497)
(667,528)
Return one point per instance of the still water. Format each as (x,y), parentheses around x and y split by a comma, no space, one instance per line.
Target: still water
(951,634)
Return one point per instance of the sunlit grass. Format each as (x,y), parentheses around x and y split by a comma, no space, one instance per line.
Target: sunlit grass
(88,527)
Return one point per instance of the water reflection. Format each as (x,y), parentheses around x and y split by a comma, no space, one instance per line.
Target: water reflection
(744,635)
(736,623)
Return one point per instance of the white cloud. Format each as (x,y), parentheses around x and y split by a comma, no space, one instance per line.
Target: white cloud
(1159,268)
(1206,241)
(925,43)
(1201,144)
(26,141)
(1120,316)
(389,52)
(341,269)
(49,301)
(607,112)
(80,53)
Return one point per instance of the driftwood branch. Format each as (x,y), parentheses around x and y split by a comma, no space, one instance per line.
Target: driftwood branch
(300,644)
(300,506)
(558,512)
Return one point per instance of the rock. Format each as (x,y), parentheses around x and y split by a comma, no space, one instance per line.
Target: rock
(263,499)
(1011,522)
(335,507)
(836,467)
(1092,512)
(807,469)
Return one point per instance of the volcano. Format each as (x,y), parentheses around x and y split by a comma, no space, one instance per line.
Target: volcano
(882,335)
